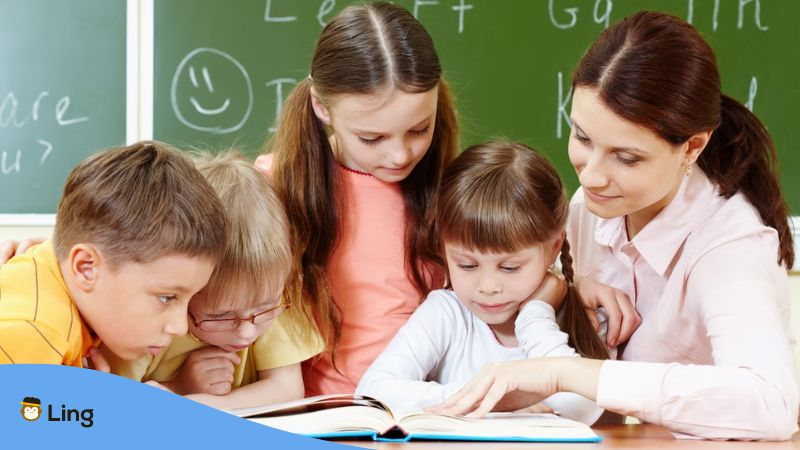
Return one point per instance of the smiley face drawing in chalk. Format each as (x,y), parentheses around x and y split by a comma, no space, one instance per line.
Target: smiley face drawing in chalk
(211,91)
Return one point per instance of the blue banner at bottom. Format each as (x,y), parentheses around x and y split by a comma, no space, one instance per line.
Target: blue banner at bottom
(43,406)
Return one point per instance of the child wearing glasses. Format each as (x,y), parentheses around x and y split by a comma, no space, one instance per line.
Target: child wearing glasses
(245,341)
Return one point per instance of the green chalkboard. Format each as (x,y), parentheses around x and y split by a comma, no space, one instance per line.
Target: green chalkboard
(222,68)
(62,94)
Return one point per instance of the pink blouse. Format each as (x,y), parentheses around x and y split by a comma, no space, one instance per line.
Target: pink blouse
(368,280)
(713,357)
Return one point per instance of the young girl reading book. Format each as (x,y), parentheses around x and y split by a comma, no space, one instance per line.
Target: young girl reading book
(498,225)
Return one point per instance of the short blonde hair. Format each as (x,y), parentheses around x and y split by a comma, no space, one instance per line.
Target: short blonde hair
(139,203)
(257,257)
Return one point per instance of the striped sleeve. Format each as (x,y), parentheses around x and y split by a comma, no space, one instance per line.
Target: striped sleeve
(28,342)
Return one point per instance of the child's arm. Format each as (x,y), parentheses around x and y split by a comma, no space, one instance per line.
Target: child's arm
(207,370)
(539,334)
(281,384)
(398,376)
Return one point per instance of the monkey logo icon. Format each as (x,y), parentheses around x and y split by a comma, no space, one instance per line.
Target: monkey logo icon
(31,408)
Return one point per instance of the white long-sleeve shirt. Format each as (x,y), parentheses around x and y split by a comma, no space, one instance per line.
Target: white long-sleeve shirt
(443,345)
(713,356)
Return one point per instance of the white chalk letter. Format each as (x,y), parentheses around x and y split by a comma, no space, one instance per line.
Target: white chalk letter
(15,167)
(324,9)
(740,21)
(571,11)
(278,83)
(61,108)
(418,3)
(606,17)
(751,95)
(561,112)
(268,18)
(461,7)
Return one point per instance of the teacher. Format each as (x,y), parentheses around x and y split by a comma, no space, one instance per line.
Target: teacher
(680,209)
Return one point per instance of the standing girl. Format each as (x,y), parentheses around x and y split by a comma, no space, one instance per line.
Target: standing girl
(681,210)
(356,159)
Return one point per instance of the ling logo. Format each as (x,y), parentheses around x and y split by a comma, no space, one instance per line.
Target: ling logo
(31,408)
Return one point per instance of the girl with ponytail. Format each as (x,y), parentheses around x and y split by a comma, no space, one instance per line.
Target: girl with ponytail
(680,210)
(357,156)
(497,227)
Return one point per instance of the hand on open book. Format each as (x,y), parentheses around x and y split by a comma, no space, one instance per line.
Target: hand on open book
(206,371)
(11,248)
(539,377)
(537,408)
(521,401)
(495,381)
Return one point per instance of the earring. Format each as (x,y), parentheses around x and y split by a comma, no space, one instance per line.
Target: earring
(551,266)
(688,168)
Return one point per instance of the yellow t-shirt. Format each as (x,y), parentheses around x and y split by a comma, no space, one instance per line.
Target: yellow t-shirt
(39,322)
(277,347)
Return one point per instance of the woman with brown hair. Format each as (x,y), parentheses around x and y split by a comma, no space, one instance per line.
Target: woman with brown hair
(680,209)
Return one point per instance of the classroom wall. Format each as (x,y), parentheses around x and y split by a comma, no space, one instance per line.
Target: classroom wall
(17,232)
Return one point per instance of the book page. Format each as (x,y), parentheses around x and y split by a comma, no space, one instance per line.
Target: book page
(504,425)
(331,421)
(309,404)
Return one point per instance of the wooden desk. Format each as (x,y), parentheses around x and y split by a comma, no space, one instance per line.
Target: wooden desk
(614,436)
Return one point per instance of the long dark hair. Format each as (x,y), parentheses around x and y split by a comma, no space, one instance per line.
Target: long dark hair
(503,197)
(656,70)
(366,49)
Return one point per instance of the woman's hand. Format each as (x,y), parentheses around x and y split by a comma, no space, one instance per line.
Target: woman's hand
(540,377)
(480,395)
(623,319)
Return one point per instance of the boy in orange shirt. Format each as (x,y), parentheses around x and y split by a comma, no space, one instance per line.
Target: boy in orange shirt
(138,233)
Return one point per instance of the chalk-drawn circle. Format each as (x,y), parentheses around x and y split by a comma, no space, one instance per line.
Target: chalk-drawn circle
(211,91)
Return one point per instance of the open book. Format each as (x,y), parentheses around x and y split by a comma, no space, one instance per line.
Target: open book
(348,416)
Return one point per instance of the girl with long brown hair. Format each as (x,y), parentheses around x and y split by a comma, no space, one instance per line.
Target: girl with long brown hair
(357,156)
(681,211)
(498,224)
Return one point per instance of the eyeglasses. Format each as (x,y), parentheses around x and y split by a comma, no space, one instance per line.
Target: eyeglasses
(260,318)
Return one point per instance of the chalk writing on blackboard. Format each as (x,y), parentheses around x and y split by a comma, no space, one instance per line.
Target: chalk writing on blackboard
(200,98)
(13,115)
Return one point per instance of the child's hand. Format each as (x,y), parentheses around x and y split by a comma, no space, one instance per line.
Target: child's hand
(12,248)
(94,359)
(206,371)
(551,291)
